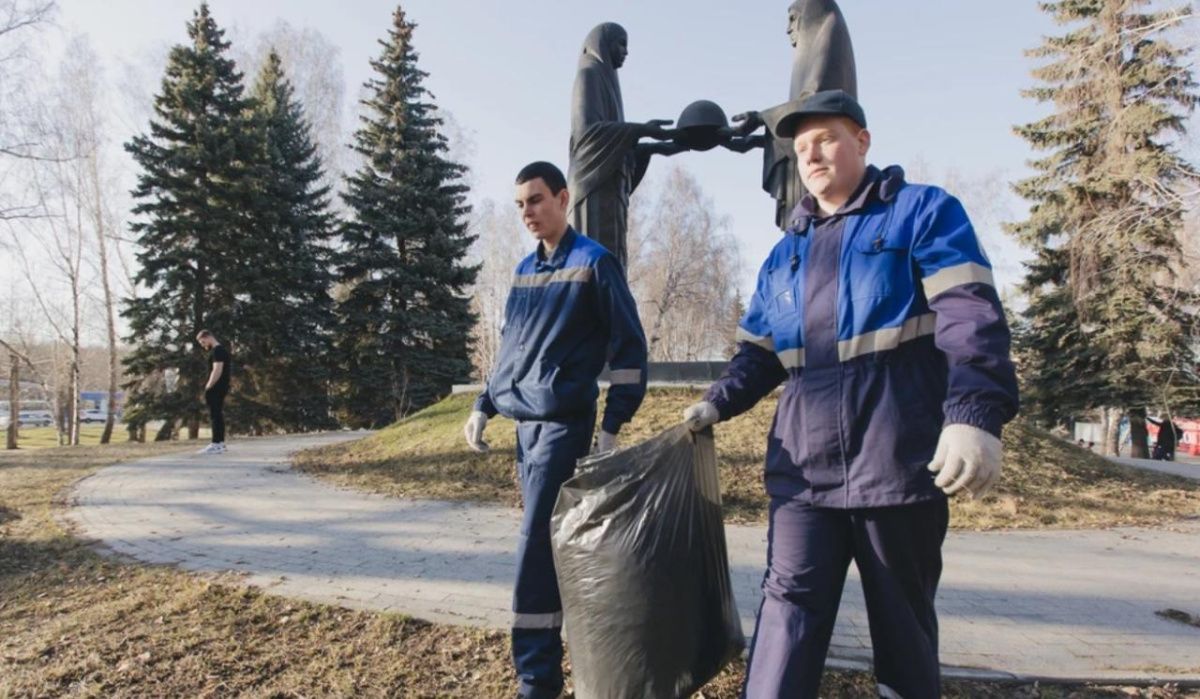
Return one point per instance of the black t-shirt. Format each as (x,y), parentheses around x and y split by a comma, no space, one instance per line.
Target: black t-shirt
(220,354)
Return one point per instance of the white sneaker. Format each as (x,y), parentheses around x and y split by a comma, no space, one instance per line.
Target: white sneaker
(220,447)
(211,449)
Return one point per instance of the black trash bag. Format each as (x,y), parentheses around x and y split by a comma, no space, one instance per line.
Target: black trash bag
(639,547)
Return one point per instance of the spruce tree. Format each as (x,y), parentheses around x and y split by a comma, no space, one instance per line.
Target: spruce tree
(1060,371)
(404,320)
(290,311)
(1107,317)
(194,222)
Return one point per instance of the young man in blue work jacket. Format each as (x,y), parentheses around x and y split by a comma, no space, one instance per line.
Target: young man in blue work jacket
(568,313)
(878,313)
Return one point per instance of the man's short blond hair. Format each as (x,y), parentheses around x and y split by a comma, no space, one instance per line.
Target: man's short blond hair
(203,334)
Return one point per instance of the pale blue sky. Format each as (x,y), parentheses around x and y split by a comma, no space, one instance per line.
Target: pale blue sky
(939,80)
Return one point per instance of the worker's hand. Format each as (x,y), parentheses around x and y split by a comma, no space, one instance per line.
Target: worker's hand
(604,442)
(700,415)
(473,431)
(967,458)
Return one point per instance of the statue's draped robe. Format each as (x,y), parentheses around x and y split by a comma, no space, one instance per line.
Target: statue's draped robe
(823,60)
(604,169)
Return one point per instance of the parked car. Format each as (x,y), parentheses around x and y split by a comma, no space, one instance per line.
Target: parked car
(92,415)
(36,413)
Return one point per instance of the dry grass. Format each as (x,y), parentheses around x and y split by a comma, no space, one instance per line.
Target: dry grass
(1046,482)
(74,623)
(89,435)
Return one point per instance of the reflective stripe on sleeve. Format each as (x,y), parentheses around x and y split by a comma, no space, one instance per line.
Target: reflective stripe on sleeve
(763,341)
(621,377)
(950,277)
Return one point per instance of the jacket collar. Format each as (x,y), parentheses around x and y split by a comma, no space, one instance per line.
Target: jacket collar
(876,185)
(560,253)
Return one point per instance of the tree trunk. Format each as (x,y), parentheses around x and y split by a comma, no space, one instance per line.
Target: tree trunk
(76,385)
(1106,424)
(110,320)
(166,432)
(14,400)
(60,412)
(1112,432)
(109,303)
(1140,447)
(193,428)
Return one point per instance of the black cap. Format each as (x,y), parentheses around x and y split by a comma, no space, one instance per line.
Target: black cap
(783,119)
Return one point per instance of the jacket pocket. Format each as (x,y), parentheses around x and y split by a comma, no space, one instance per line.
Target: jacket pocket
(880,267)
(783,291)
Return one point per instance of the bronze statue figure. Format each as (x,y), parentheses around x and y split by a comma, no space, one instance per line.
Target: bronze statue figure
(823,60)
(606,160)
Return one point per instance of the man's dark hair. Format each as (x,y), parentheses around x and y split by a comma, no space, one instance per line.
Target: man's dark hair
(548,172)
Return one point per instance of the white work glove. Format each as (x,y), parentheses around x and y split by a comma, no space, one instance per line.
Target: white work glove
(700,415)
(473,431)
(967,458)
(605,442)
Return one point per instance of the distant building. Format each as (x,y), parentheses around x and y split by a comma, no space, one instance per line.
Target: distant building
(98,400)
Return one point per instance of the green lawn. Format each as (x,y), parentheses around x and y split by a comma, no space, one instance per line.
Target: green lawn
(1047,482)
(46,437)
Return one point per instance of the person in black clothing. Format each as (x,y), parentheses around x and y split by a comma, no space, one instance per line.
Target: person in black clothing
(215,389)
(1168,437)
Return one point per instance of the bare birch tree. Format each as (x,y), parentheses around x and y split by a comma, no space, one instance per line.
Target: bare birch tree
(81,82)
(70,183)
(500,245)
(23,353)
(314,68)
(684,272)
(15,359)
(19,136)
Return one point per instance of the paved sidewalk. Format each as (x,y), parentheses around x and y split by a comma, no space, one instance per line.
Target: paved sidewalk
(1065,604)
(1184,469)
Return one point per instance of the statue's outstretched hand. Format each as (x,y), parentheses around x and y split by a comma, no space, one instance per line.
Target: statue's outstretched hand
(747,123)
(732,139)
(654,129)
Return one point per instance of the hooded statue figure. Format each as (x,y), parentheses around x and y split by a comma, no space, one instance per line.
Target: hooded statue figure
(823,60)
(606,163)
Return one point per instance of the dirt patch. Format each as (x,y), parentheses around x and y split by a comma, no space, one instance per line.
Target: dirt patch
(1046,483)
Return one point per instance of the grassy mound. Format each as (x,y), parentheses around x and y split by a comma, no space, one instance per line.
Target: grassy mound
(1046,482)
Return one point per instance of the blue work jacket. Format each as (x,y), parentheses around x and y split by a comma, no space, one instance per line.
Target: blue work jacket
(567,316)
(884,322)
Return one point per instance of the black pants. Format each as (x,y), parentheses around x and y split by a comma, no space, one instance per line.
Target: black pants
(215,399)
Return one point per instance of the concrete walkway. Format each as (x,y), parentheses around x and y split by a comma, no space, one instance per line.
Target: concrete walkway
(1184,469)
(1058,604)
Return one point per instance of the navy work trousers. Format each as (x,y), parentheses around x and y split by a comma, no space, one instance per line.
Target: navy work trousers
(898,551)
(546,456)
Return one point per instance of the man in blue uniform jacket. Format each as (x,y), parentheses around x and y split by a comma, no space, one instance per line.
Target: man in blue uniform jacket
(878,313)
(568,313)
